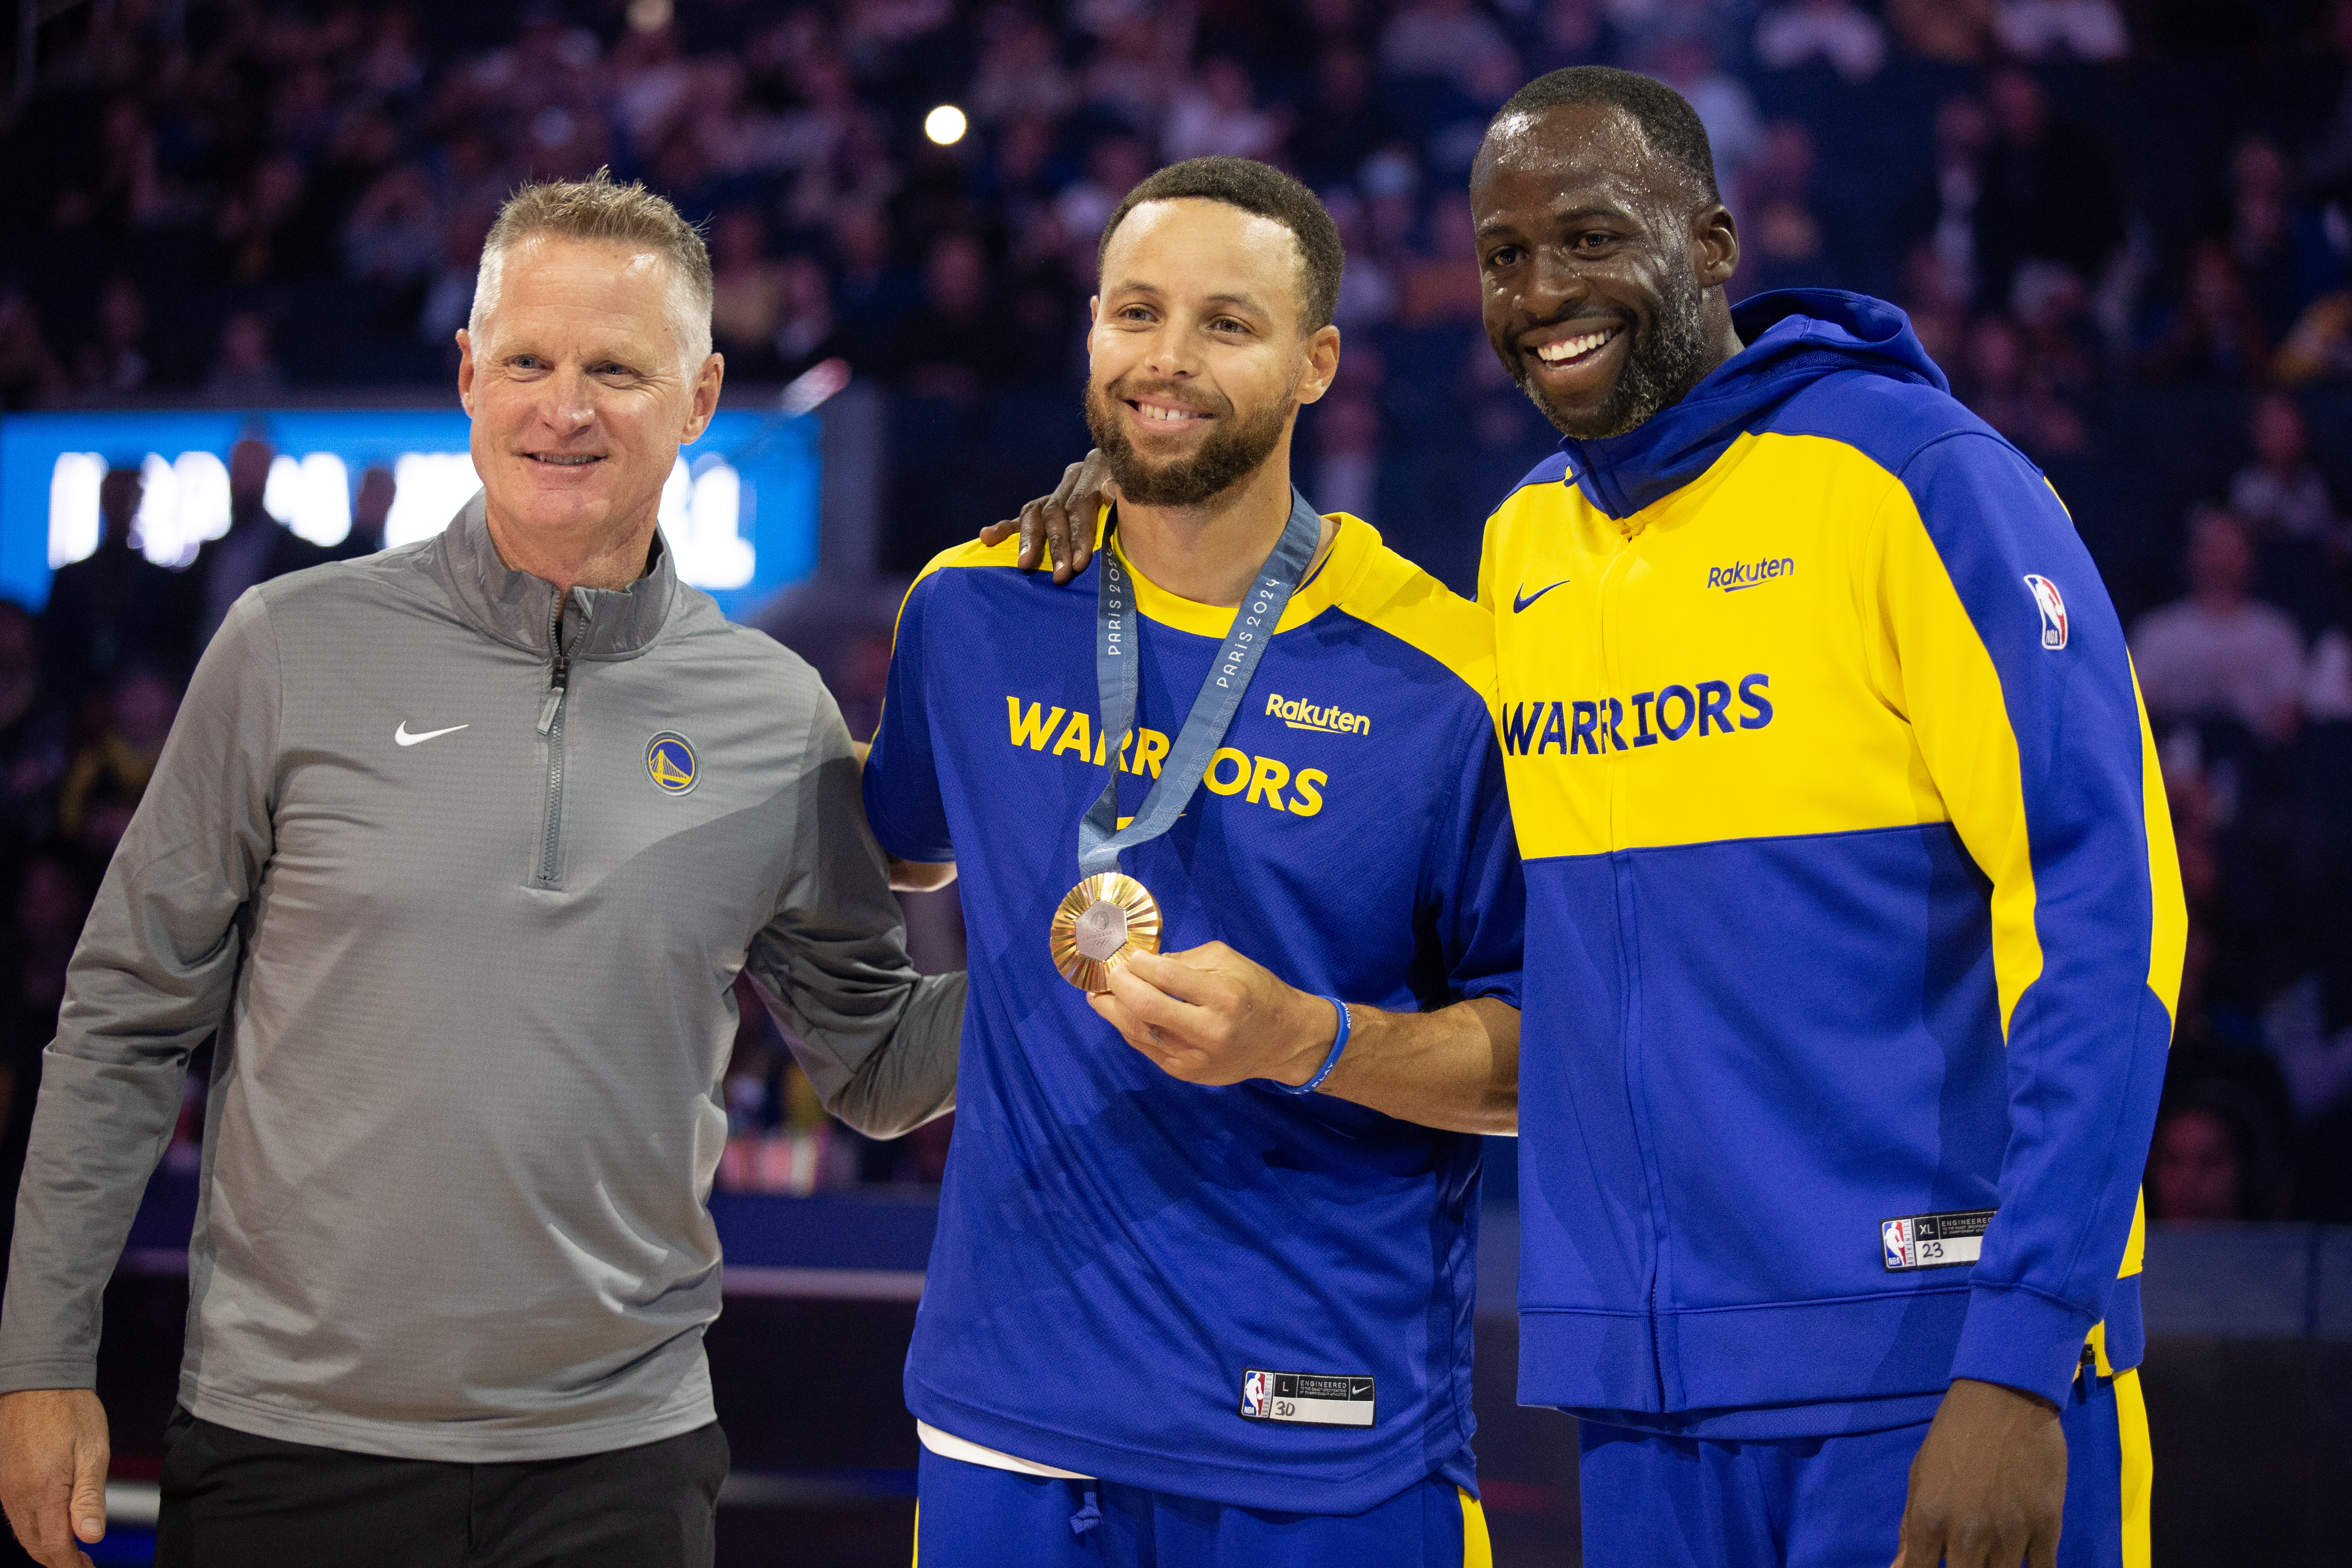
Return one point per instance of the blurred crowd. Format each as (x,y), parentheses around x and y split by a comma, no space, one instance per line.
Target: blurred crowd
(2121,225)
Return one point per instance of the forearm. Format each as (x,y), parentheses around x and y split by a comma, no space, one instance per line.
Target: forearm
(98,1131)
(1456,1068)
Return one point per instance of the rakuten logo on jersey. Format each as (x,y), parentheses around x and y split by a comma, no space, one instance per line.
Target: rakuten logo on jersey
(1579,728)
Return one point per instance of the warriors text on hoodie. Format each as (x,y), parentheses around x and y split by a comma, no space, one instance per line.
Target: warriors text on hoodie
(1853,921)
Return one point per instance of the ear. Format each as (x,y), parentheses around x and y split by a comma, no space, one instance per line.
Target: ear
(466,371)
(1094,323)
(1715,246)
(1322,363)
(706,397)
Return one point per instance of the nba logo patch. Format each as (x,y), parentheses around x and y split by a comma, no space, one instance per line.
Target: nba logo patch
(669,759)
(2053,605)
(1894,1235)
(1258,1391)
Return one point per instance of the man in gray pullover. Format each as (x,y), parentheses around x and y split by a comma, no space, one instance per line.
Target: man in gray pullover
(455,851)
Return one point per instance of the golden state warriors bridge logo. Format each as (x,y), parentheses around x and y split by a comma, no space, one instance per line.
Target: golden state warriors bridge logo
(669,759)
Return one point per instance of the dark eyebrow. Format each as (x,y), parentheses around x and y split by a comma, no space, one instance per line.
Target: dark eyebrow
(1245,301)
(1590,209)
(1494,226)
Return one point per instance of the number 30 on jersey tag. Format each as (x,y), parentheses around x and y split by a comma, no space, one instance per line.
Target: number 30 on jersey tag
(1315,1399)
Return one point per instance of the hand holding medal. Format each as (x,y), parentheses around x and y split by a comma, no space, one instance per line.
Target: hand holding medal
(1109,915)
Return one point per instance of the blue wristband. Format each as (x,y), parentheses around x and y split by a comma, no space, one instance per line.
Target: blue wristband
(1330,1061)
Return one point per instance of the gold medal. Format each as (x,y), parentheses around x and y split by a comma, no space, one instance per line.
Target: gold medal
(1101,923)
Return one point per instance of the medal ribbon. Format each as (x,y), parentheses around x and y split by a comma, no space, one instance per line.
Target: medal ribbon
(1213,710)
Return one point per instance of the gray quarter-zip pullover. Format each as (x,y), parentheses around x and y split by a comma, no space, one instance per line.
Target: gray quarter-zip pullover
(461,873)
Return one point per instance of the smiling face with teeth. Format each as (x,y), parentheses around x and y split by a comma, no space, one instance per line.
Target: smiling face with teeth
(1604,267)
(580,394)
(1198,361)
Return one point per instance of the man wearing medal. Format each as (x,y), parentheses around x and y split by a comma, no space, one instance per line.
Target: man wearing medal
(1855,916)
(1208,1298)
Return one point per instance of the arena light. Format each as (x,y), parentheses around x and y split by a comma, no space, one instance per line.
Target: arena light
(311,495)
(187,503)
(74,480)
(944,125)
(701,516)
(427,489)
(815,386)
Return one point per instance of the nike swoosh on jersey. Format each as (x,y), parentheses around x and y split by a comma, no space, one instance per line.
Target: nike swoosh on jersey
(402,734)
(1520,602)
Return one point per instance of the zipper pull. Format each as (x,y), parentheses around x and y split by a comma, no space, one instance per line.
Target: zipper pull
(559,677)
(559,681)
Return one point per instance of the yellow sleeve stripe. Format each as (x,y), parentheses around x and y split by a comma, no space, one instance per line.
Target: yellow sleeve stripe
(2135,1255)
(1959,719)
(2167,945)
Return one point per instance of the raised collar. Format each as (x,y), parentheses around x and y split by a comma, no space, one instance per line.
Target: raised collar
(519,610)
(1794,337)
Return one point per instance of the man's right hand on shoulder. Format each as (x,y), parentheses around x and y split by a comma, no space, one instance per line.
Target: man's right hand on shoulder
(1061,527)
(54,1453)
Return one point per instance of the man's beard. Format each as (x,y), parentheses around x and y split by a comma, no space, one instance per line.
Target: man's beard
(1233,450)
(1660,366)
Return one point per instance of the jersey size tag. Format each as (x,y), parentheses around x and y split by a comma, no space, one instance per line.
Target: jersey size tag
(1933,1240)
(1318,1399)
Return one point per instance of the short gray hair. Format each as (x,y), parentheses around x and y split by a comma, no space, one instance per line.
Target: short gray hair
(597,209)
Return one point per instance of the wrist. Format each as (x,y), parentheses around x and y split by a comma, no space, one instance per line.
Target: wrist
(1977,1393)
(1333,1044)
(1308,1024)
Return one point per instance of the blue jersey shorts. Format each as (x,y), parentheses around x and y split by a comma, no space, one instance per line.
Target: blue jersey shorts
(973,1516)
(1837,1502)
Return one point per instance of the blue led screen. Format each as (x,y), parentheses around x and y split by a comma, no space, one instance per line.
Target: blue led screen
(740,511)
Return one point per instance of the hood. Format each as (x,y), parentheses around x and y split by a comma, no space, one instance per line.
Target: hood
(519,610)
(1794,338)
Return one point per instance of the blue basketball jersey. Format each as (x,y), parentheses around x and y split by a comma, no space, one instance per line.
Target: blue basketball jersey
(1236,1294)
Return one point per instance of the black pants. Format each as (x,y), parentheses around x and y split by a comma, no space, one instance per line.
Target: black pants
(232,1500)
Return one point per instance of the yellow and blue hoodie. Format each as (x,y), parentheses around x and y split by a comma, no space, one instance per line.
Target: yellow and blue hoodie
(1853,912)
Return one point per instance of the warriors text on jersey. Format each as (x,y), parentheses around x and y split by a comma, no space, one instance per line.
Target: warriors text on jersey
(1127,1266)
